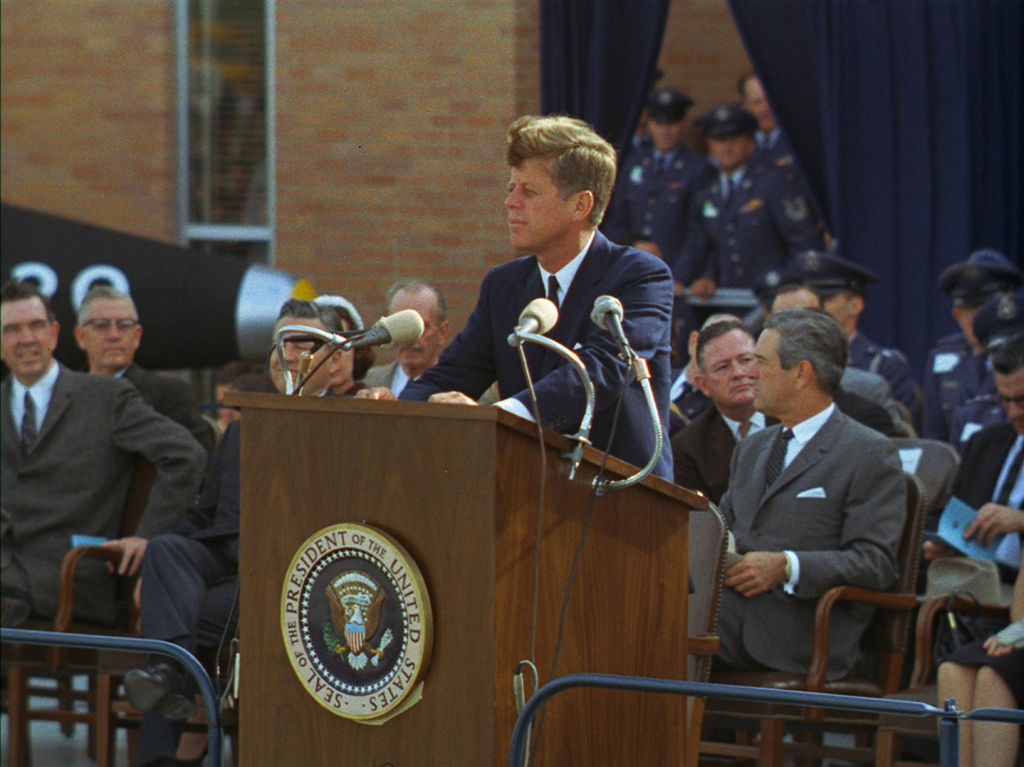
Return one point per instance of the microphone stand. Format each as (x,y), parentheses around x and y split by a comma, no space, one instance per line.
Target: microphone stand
(331,339)
(643,375)
(582,436)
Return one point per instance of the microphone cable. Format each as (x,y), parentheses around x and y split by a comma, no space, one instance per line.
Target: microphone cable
(588,516)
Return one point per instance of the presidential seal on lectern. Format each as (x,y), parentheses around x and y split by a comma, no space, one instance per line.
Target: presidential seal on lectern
(357,623)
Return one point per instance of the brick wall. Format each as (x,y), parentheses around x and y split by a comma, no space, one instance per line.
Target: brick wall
(390,129)
(87,124)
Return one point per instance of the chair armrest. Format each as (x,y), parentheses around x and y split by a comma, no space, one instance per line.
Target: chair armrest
(817,672)
(931,611)
(703,645)
(66,596)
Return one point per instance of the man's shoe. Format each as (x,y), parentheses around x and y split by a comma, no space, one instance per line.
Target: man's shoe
(158,688)
(13,611)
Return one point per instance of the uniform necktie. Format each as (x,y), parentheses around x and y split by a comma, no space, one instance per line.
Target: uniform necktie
(553,289)
(28,424)
(777,457)
(1011,479)
(726,187)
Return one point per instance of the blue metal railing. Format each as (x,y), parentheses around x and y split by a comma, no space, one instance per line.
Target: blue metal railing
(949,734)
(136,644)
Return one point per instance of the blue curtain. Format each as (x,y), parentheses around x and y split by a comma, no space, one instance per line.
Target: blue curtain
(598,59)
(907,117)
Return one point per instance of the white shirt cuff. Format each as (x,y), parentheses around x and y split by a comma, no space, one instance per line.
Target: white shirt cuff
(516,407)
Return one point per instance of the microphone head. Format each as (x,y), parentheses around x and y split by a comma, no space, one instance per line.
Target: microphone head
(603,306)
(404,327)
(544,311)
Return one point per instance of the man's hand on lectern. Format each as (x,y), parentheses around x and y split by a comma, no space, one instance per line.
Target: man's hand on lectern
(451,398)
(376,392)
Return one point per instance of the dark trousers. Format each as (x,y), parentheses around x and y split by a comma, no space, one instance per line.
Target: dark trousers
(188,592)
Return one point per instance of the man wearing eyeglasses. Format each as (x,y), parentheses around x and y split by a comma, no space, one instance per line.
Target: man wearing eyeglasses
(109,333)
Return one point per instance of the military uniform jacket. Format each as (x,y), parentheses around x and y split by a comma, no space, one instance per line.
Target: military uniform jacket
(654,205)
(839,505)
(757,228)
(75,479)
(954,375)
(888,363)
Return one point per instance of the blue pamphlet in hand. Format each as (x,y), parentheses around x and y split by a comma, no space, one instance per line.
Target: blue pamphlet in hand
(956,518)
(87,540)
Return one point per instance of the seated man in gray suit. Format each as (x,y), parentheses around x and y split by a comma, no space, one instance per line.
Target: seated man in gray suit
(414,358)
(70,442)
(109,332)
(814,502)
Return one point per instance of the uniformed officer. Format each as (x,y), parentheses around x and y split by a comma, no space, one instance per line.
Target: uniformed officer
(995,326)
(841,285)
(655,190)
(958,370)
(773,148)
(748,220)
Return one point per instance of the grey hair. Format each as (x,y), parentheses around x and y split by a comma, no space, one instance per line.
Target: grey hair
(97,292)
(296,307)
(418,286)
(812,335)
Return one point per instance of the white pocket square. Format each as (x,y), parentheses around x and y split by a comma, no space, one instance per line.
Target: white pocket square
(814,492)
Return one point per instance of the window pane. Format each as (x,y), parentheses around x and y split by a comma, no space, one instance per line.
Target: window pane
(227,112)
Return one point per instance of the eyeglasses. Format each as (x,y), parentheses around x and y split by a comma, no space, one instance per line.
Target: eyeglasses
(103,324)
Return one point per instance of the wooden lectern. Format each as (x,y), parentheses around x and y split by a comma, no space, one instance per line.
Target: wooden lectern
(459,488)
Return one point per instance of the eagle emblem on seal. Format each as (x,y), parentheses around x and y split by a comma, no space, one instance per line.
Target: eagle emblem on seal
(356,601)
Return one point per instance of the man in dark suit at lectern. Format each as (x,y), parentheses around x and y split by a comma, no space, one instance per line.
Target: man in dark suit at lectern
(562,174)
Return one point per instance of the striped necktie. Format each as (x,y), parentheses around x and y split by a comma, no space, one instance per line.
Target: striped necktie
(777,457)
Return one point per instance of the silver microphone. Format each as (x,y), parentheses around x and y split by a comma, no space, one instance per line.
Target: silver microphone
(399,328)
(607,315)
(539,316)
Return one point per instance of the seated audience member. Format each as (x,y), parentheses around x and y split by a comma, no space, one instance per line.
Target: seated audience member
(813,502)
(222,384)
(417,357)
(109,332)
(996,325)
(189,584)
(350,366)
(862,395)
(702,449)
(989,673)
(70,444)
(841,285)
(957,369)
(751,219)
(688,401)
(990,478)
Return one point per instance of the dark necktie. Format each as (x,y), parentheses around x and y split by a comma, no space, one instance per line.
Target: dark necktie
(777,457)
(1011,479)
(553,289)
(28,424)
(744,429)
(726,187)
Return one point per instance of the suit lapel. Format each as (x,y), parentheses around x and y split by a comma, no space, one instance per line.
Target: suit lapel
(59,402)
(812,453)
(575,312)
(11,430)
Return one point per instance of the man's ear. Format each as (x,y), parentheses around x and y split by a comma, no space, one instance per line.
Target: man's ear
(701,383)
(805,375)
(584,204)
(79,335)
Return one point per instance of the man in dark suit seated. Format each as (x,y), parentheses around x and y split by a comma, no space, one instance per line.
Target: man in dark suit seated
(562,174)
(702,449)
(815,501)
(70,442)
(189,583)
(109,332)
(990,478)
